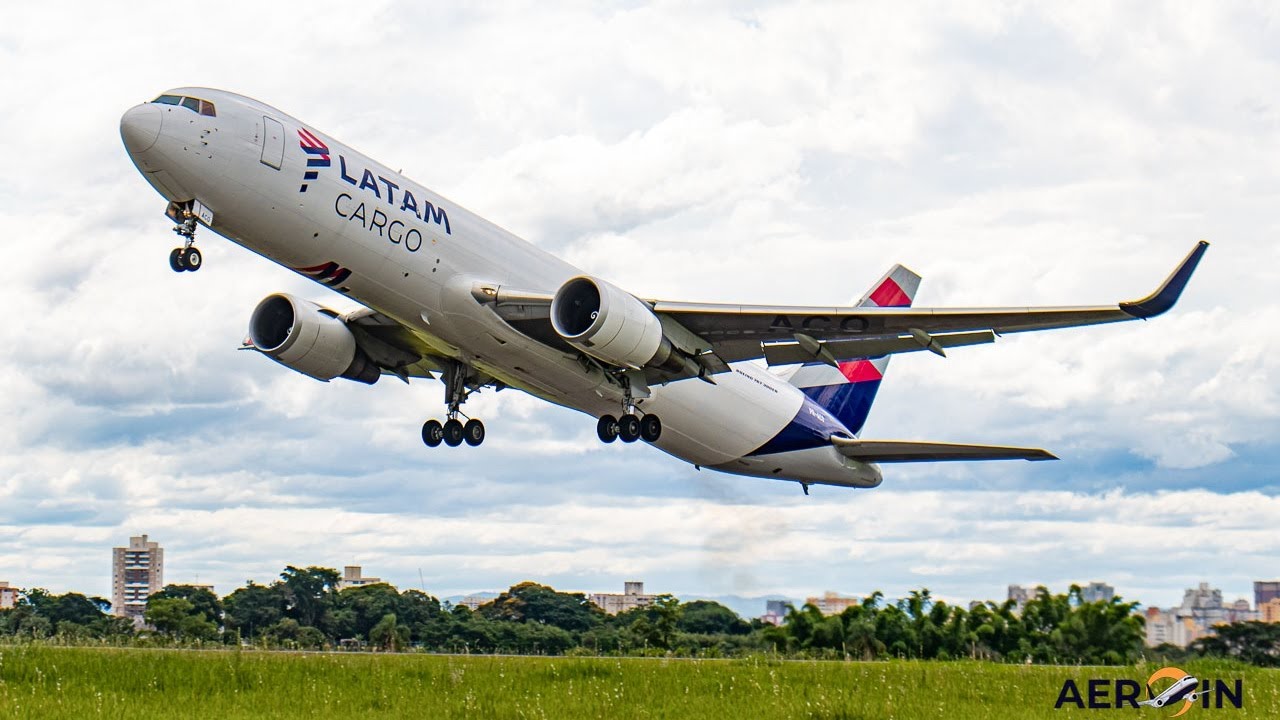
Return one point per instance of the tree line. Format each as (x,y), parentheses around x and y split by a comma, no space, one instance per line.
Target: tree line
(306,609)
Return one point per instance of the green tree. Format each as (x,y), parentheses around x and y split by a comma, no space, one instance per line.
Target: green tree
(177,618)
(388,634)
(202,599)
(252,609)
(357,609)
(707,617)
(531,602)
(309,592)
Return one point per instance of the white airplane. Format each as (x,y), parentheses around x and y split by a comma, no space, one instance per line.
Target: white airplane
(449,295)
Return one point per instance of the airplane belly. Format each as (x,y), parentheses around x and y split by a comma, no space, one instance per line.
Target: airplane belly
(709,424)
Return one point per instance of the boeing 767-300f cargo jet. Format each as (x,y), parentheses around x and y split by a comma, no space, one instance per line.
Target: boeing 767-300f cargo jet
(446,294)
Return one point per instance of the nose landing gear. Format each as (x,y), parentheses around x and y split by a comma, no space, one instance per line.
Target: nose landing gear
(186,257)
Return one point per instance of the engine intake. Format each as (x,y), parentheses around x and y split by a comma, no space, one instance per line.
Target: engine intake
(611,324)
(303,336)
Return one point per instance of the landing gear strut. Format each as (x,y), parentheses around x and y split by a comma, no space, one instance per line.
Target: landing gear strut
(453,432)
(629,427)
(188,256)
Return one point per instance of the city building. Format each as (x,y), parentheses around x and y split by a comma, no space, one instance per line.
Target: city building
(832,603)
(1264,591)
(775,611)
(632,597)
(136,572)
(8,596)
(1020,596)
(1201,609)
(1239,611)
(1166,626)
(474,601)
(1269,611)
(353,576)
(1097,592)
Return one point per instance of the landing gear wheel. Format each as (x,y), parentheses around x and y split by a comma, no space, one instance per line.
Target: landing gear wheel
(175,260)
(607,428)
(650,428)
(473,432)
(453,433)
(629,428)
(191,259)
(432,433)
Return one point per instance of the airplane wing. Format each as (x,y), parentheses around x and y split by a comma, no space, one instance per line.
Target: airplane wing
(718,334)
(742,332)
(892,451)
(395,348)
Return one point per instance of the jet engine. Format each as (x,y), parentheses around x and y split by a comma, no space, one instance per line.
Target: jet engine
(608,323)
(305,337)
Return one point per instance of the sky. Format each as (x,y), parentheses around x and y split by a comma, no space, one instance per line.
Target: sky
(1011,153)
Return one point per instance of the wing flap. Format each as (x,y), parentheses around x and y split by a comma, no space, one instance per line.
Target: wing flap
(787,353)
(894,451)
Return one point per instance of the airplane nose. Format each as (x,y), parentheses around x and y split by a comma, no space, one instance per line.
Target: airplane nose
(140,127)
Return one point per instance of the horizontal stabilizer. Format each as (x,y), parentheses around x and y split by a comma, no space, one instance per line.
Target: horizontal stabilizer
(787,353)
(889,451)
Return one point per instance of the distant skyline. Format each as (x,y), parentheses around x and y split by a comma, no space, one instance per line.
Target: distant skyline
(742,604)
(1010,154)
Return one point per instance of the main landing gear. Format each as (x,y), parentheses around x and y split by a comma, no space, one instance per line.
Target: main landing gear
(629,427)
(453,432)
(186,257)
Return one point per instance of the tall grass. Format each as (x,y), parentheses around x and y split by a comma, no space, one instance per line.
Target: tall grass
(56,682)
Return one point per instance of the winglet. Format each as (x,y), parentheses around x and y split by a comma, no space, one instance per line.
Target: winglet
(1167,294)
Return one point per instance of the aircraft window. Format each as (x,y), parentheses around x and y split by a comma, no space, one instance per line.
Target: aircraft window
(206,108)
(191,104)
(168,100)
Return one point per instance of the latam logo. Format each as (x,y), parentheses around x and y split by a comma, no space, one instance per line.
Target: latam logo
(330,273)
(319,156)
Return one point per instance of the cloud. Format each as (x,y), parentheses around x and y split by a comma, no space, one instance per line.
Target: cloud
(1012,155)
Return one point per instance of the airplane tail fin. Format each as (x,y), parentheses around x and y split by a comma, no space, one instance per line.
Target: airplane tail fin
(848,390)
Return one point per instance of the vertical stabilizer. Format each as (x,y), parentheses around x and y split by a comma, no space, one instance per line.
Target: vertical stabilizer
(847,391)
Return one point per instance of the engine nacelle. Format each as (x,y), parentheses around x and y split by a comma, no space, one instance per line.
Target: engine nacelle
(609,323)
(303,336)
(606,322)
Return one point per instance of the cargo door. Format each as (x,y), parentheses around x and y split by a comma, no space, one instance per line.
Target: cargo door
(272,142)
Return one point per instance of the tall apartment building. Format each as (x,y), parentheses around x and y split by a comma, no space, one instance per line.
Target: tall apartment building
(632,597)
(136,572)
(1097,592)
(8,596)
(1020,597)
(1201,609)
(775,611)
(1264,591)
(1269,611)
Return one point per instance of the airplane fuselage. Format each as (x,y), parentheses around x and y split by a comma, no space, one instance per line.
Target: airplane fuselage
(304,200)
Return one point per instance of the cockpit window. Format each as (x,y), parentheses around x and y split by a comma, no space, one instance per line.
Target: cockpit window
(203,107)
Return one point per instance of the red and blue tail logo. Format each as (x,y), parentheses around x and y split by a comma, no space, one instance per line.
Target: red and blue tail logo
(318,156)
(847,391)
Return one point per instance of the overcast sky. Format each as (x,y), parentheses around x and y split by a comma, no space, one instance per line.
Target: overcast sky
(788,153)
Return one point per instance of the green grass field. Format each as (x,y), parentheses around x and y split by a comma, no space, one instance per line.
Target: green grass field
(54,682)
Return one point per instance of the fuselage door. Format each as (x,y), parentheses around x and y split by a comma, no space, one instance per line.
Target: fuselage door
(272,142)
